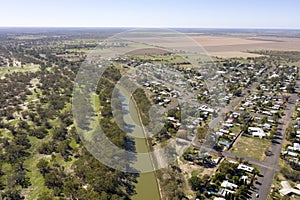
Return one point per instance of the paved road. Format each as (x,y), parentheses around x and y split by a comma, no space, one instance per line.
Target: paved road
(232,105)
(270,165)
(265,182)
(237,100)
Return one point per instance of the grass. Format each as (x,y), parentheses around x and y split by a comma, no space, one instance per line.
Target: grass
(251,147)
(36,178)
(24,68)
(4,133)
(73,144)
(235,129)
(197,172)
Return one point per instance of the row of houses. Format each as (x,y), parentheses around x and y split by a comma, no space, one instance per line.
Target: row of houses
(244,174)
(280,80)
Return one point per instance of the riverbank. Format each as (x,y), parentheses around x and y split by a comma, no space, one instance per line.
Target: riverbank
(147,186)
(153,160)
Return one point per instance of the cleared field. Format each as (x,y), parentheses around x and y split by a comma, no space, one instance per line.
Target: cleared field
(251,147)
(231,54)
(225,40)
(147,51)
(24,68)
(223,46)
(229,46)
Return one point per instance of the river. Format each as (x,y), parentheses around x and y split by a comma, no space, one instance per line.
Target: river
(146,186)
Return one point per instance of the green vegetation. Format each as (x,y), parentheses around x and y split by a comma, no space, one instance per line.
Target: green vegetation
(143,103)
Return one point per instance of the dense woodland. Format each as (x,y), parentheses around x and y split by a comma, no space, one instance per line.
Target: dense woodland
(42,156)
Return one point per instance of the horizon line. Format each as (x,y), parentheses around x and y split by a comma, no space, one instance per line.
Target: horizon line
(133,27)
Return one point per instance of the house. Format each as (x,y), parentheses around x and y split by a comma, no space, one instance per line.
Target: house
(219,133)
(276,107)
(235,115)
(248,103)
(288,190)
(267,126)
(227,184)
(241,108)
(245,168)
(293,154)
(244,178)
(224,131)
(219,198)
(257,132)
(167,100)
(266,113)
(224,192)
(226,144)
(228,125)
(273,111)
(229,120)
(257,118)
(207,109)
(172,119)
(161,103)
(296,147)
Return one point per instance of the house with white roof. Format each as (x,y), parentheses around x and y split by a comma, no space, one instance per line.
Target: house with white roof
(227,184)
(257,132)
(224,192)
(172,119)
(245,168)
(296,147)
(218,198)
(288,190)
(267,126)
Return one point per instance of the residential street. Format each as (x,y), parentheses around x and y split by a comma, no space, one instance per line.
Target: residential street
(265,181)
(269,166)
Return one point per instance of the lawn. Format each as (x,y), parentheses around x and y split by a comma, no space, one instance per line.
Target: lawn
(251,147)
(235,129)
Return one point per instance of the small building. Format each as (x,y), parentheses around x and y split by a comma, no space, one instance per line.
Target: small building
(267,126)
(172,119)
(226,144)
(244,178)
(227,184)
(296,147)
(224,192)
(293,154)
(219,198)
(228,125)
(245,168)
(224,131)
(288,190)
(257,132)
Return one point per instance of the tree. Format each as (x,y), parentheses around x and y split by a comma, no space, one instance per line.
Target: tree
(12,194)
(71,187)
(196,183)
(54,179)
(21,179)
(83,194)
(43,166)
(46,195)
(47,148)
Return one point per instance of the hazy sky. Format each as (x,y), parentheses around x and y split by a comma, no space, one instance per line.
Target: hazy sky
(152,13)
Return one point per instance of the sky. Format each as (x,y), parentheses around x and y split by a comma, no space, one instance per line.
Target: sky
(151,13)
